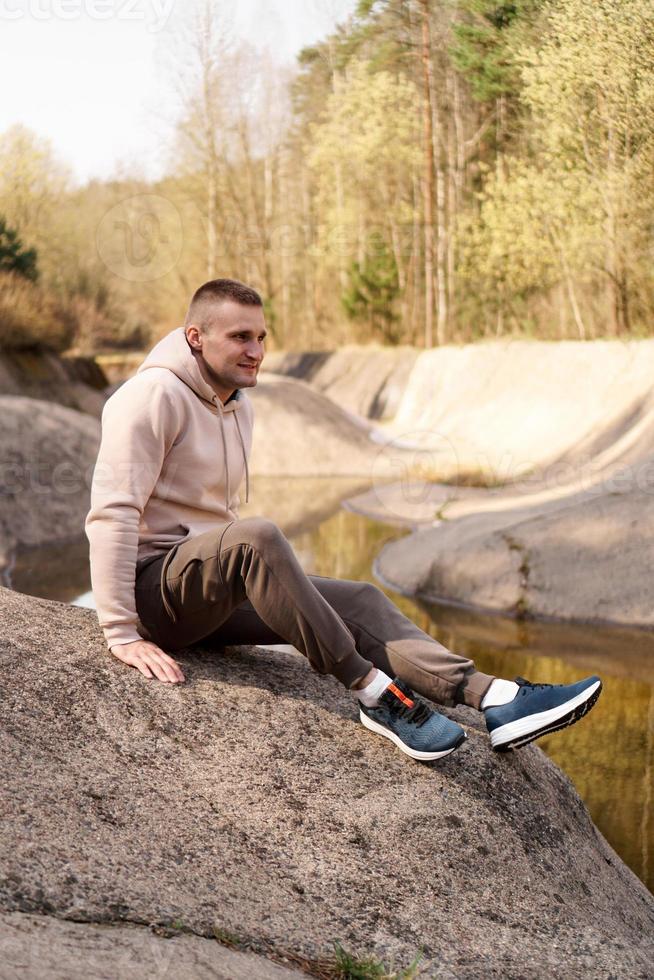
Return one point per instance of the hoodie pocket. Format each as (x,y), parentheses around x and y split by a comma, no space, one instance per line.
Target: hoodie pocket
(191,578)
(166,593)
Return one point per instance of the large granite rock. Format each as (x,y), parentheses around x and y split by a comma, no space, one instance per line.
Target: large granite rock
(368,380)
(248,803)
(77,382)
(301,432)
(40,947)
(46,464)
(580,551)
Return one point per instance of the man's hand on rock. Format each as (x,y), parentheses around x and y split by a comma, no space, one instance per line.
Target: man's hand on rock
(150,660)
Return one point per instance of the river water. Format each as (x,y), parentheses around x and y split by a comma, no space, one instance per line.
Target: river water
(608,756)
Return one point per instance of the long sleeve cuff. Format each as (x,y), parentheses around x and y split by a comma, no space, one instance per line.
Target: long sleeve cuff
(121,633)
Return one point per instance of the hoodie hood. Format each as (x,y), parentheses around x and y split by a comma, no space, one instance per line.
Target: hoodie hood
(174,353)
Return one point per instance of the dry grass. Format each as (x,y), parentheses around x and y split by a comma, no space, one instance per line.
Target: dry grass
(30,317)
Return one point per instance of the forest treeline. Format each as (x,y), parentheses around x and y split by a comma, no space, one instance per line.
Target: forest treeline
(429,173)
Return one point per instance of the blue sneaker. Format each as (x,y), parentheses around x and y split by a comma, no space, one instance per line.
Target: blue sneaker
(415,728)
(538,709)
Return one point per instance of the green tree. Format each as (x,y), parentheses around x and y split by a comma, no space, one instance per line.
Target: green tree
(536,230)
(364,156)
(14,257)
(590,87)
(572,212)
(372,290)
(486,41)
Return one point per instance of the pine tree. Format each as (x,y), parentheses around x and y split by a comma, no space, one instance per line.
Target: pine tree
(373,288)
(13,256)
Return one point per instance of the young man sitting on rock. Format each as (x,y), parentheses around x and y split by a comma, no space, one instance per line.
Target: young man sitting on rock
(172,563)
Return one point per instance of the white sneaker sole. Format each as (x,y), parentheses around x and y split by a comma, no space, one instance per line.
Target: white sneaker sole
(373,726)
(523,730)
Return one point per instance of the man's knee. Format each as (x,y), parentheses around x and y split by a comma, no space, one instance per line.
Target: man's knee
(260,532)
(371,594)
(352,591)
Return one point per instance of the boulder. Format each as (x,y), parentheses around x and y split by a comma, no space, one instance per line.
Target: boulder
(582,551)
(77,382)
(301,432)
(368,380)
(249,805)
(48,456)
(40,947)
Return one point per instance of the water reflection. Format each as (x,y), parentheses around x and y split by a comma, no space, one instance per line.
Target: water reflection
(608,757)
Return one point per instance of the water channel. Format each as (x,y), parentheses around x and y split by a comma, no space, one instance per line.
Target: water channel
(608,757)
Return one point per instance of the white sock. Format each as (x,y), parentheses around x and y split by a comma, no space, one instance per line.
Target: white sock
(500,692)
(371,693)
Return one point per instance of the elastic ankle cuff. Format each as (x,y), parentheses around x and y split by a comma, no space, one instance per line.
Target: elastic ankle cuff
(351,669)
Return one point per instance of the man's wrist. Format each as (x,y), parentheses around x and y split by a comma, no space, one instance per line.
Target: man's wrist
(119,634)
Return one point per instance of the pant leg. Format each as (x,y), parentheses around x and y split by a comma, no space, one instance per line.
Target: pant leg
(383,635)
(394,644)
(202,581)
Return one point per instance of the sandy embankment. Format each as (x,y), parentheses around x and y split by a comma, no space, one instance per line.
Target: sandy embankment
(571,427)
(369,381)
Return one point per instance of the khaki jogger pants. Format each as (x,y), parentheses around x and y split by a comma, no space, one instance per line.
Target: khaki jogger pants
(241,582)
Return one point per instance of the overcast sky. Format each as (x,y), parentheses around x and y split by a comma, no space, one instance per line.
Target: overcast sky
(84,72)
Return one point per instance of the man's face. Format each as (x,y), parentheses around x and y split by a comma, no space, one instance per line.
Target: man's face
(233,348)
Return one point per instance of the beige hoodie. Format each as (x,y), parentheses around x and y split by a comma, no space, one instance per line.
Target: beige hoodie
(171,460)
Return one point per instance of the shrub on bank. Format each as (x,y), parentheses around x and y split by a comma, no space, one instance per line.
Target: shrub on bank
(30,316)
(33,316)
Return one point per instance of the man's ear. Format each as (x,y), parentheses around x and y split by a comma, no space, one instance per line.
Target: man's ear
(197,343)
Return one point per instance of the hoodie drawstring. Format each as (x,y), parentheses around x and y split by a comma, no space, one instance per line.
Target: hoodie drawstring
(222,431)
(245,460)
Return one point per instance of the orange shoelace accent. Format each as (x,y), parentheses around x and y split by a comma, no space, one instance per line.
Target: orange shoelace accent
(399,694)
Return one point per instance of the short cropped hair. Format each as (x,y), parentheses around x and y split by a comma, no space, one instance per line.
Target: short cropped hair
(203,304)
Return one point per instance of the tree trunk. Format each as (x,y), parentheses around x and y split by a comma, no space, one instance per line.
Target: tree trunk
(456,166)
(212,208)
(441,227)
(416,252)
(428,175)
(309,318)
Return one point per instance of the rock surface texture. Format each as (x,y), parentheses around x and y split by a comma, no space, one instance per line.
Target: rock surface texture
(369,381)
(301,432)
(77,382)
(582,556)
(504,407)
(249,803)
(48,455)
